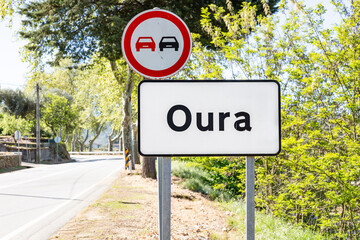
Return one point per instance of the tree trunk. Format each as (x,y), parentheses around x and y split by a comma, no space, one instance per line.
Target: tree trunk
(82,147)
(121,145)
(116,72)
(126,122)
(148,167)
(112,139)
(110,143)
(67,138)
(135,138)
(97,133)
(73,141)
(82,143)
(91,145)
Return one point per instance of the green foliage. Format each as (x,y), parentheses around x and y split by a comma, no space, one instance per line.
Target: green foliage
(78,29)
(197,179)
(9,124)
(16,103)
(98,95)
(267,226)
(91,90)
(226,174)
(5,8)
(57,112)
(315,180)
(8,7)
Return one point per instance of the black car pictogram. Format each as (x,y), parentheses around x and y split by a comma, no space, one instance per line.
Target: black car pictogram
(168,42)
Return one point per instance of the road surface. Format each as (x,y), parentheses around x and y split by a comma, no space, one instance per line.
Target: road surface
(36,202)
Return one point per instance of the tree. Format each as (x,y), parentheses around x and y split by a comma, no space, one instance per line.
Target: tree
(78,29)
(314,180)
(112,137)
(98,96)
(8,7)
(16,103)
(96,129)
(57,112)
(9,124)
(80,139)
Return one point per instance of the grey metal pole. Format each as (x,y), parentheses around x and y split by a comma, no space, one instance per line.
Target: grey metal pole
(37,160)
(57,152)
(27,151)
(19,153)
(250,198)
(164,185)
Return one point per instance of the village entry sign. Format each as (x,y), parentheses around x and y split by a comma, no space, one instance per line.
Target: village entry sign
(199,118)
(156,44)
(195,118)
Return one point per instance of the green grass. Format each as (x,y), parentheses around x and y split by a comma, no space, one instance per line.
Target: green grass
(11,169)
(267,227)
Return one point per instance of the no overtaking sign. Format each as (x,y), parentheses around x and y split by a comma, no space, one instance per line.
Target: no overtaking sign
(156,44)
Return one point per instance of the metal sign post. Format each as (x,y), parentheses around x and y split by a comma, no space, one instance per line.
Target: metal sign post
(18,137)
(157,44)
(57,140)
(27,150)
(185,119)
(250,198)
(164,186)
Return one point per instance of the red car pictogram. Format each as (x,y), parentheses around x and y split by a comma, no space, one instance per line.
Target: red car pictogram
(145,42)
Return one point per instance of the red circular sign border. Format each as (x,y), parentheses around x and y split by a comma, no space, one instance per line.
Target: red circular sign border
(126,40)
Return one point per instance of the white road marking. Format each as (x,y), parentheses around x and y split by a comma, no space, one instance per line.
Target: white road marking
(24,227)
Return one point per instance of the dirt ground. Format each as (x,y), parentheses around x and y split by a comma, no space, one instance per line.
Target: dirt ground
(129,210)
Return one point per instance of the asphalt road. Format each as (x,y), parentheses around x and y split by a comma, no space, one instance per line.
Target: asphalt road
(36,202)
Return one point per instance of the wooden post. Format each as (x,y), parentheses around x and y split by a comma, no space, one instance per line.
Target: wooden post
(38,151)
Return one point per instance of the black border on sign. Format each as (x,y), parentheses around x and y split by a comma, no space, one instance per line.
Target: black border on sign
(208,81)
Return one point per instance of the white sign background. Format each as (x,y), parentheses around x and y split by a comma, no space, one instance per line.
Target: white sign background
(260,99)
(57,139)
(17,135)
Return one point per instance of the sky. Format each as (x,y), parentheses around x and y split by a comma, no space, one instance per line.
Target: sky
(13,71)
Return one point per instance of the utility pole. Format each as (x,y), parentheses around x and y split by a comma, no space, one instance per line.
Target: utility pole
(37,124)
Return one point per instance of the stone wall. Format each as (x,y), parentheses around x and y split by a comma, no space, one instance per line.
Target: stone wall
(8,160)
(28,154)
(48,152)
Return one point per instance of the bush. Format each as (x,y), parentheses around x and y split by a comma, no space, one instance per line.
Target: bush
(225,173)
(9,124)
(267,226)
(197,179)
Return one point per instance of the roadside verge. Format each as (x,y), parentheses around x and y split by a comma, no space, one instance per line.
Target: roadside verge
(129,210)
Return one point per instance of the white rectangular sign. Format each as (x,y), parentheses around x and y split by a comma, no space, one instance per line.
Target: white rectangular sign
(200,118)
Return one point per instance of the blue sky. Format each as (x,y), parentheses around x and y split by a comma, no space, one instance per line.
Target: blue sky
(13,70)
